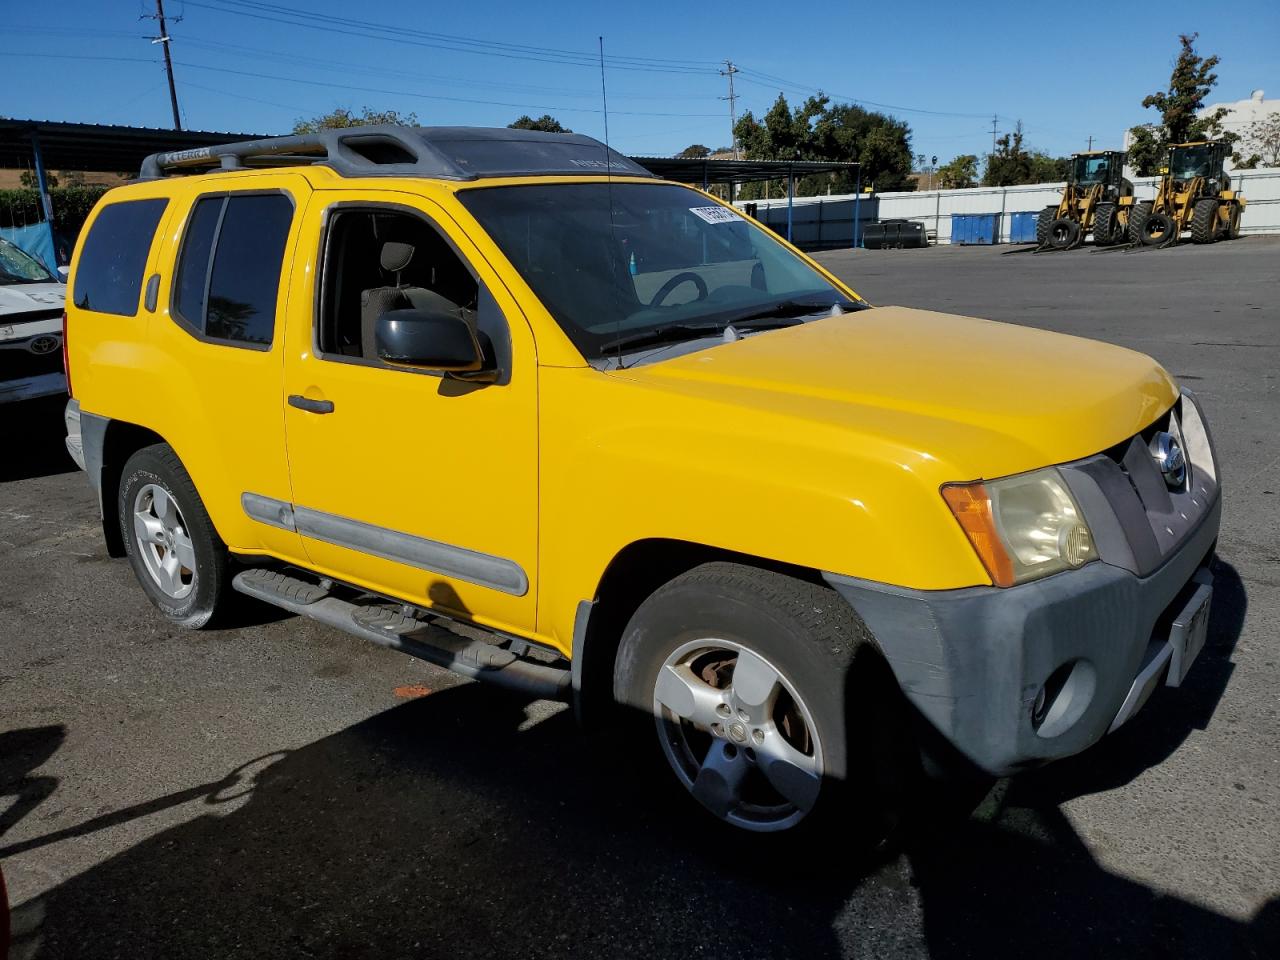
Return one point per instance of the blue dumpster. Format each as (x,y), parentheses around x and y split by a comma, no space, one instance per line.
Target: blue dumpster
(1022,228)
(975,228)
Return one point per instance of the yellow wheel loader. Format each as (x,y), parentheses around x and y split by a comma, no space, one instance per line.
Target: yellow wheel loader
(1194,194)
(1097,200)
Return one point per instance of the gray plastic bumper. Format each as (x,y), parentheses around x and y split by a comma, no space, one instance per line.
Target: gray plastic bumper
(973,661)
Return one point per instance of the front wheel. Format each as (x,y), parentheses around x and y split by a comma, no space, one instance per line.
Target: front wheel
(172,546)
(1106,227)
(747,677)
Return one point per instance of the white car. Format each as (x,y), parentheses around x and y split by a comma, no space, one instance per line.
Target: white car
(31,304)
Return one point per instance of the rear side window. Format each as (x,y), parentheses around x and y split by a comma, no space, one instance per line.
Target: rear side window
(114,256)
(229,270)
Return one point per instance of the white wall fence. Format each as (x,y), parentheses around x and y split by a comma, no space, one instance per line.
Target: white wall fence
(827,222)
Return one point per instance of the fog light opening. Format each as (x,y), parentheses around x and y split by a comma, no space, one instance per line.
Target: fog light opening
(1063,698)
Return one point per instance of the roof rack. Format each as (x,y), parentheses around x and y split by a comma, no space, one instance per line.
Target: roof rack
(387,150)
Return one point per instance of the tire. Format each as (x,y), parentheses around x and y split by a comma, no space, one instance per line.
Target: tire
(1158,229)
(1138,220)
(1233,227)
(812,734)
(1046,217)
(1204,220)
(1105,232)
(169,539)
(1063,234)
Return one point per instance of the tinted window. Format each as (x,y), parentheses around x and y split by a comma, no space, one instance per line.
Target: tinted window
(193,266)
(109,271)
(245,234)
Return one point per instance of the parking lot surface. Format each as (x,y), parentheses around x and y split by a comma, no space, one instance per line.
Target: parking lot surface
(277,789)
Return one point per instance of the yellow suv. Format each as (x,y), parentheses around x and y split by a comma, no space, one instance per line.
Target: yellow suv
(413,382)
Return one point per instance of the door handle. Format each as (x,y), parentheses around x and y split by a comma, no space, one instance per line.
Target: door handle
(311,406)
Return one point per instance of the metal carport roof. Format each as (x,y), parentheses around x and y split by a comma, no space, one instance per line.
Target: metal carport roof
(92,146)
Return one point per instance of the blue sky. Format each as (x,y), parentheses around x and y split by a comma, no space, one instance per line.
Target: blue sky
(253,66)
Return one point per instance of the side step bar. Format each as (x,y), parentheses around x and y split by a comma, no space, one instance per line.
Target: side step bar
(407,634)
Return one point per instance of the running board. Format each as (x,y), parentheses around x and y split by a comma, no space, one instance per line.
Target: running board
(407,634)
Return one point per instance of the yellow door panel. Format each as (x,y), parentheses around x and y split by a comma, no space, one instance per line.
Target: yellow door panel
(410,483)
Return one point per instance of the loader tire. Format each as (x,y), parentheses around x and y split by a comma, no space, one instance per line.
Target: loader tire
(1204,217)
(1105,232)
(1063,234)
(1046,217)
(1138,220)
(1158,229)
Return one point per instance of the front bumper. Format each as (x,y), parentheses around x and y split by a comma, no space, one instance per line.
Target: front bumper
(1020,676)
(973,661)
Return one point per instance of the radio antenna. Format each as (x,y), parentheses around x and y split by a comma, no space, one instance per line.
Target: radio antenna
(608,174)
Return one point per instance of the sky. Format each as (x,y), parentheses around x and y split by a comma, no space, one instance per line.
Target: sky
(255,66)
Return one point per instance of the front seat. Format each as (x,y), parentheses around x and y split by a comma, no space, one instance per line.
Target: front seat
(376,301)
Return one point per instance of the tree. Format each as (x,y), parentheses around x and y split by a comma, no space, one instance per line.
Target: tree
(28,179)
(342,117)
(959,173)
(695,151)
(1013,163)
(1263,139)
(1179,106)
(820,130)
(546,122)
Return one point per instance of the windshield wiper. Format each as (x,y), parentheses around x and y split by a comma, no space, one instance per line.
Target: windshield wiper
(792,309)
(672,333)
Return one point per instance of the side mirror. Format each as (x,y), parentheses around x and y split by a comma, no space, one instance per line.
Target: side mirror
(64,272)
(430,340)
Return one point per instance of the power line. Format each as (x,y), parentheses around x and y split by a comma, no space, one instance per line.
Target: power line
(766,80)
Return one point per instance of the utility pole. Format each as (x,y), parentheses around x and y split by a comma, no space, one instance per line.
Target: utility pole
(164,40)
(728,71)
(1090,150)
(995,128)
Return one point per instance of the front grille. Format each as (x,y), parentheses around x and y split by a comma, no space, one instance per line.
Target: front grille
(20,364)
(16,320)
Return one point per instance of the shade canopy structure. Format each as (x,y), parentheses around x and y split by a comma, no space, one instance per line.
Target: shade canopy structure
(705,171)
(92,146)
(47,144)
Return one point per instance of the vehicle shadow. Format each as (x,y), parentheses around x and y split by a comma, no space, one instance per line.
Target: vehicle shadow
(22,752)
(454,826)
(31,436)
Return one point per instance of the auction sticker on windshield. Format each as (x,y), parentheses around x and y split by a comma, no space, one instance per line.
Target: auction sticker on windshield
(715,214)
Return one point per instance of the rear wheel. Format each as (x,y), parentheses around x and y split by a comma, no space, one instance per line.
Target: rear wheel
(1204,220)
(1104,226)
(172,546)
(752,681)
(1158,229)
(1046,217)
(1138,220)
(1063,234)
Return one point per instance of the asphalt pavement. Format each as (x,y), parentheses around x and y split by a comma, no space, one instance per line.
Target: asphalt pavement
(278,789)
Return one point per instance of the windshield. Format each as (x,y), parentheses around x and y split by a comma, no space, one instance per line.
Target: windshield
(670,260)
(17,266)
(1091,170)
(1188,163)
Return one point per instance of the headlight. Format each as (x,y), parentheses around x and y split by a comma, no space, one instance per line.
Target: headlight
(1022,527)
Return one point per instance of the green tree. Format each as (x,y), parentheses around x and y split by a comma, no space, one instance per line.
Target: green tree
(695,151)
(28,179)
(342,117)
(820,130)
(959,173)
(546,122)
(1189,83)
(1263,139)
(1014,163)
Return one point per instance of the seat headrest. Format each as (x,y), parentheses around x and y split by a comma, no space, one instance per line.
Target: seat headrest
(396,256)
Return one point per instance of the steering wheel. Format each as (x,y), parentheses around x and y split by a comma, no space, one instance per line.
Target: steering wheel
(665,290)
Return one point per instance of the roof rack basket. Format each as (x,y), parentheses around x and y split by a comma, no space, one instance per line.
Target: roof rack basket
(388,150)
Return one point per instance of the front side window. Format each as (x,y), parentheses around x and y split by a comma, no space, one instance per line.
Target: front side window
(379,259)
(666,258)
(114,255)
(228,278)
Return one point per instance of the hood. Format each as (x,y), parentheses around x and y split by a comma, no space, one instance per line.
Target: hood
(18,298)
(976,397)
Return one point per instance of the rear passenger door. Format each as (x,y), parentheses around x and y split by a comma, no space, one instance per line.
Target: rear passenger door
(216,380)
(407,482)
